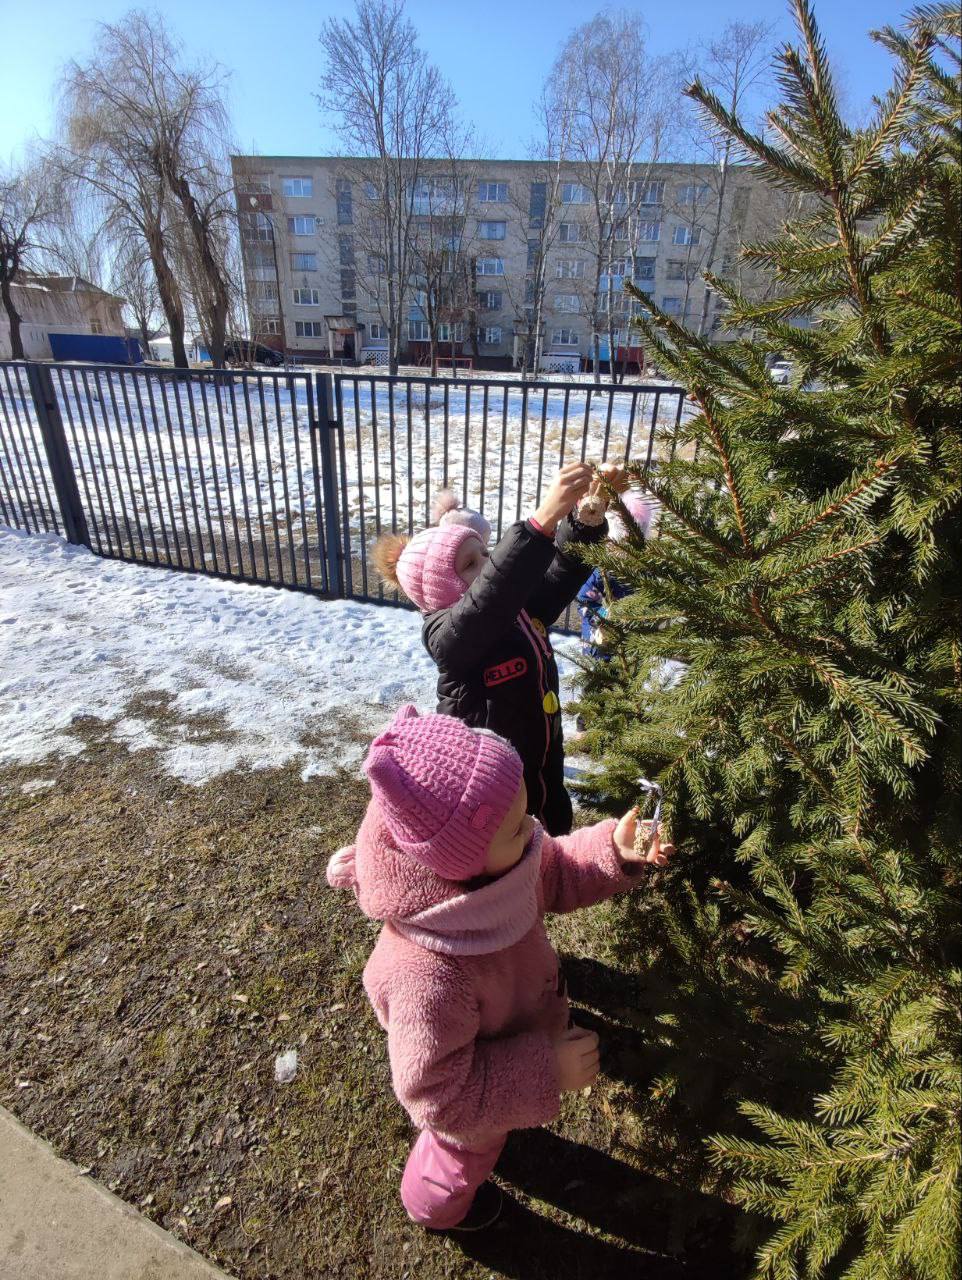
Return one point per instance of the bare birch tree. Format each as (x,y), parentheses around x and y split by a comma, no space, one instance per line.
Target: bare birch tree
(731,67)
(394,111)
(28,202)
(616,97)
(537,210)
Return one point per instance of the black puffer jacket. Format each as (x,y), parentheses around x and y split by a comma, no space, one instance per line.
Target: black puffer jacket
(497,668)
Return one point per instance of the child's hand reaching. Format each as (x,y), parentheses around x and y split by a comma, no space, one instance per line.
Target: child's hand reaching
(576,1051)
(570,486)
(656,852)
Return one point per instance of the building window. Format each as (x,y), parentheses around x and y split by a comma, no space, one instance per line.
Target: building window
(256,227)
(692,193)
(567,302)
(564,338)
(309,328)
(533,249)
(492,192)
(433,196)
(678,270)
(348,283)
(572,232)
(265,290)
(490,300)
(297,186)
(260,259)
(96,326)
(686,235)
(303,261)
(490,267)
(377,331)
(345,250)
(649,231)
(491,337)
(254,187)
(303,225)
(644,268)
(419,331)
(536,204)
(269,326)
(307,297)
(570,269)
(574,193)
(617,231)
(491,230)
(370,191)
(671,306)
(648,192)
(345,202)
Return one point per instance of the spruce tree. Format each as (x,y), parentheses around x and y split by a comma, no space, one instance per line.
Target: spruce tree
(806,580)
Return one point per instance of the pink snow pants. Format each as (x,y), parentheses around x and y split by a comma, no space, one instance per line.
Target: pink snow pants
(441,1177)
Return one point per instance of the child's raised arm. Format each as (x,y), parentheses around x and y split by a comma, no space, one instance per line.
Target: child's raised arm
(567,573)
(458,638)
(595,863)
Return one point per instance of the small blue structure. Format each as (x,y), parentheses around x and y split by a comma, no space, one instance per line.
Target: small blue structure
(100,348)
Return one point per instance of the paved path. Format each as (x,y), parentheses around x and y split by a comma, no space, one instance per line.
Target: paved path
(57,1224)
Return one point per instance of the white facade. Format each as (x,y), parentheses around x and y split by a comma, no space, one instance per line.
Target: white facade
(58,304)
(311,277)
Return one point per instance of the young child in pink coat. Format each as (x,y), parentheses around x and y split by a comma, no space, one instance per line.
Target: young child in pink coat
(463,978)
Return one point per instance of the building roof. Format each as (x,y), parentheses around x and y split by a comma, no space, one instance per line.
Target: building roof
(62,284)
(252,161)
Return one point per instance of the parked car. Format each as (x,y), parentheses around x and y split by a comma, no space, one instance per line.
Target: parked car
(781,372)
(240,351)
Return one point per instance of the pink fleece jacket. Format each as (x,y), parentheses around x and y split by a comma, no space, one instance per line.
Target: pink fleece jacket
(466,983)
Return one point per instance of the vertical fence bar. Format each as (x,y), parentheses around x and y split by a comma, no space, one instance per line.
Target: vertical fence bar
(19,491)
(58,455)
(326,428)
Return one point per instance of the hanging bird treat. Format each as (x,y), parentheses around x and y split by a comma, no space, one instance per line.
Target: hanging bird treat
(645,835)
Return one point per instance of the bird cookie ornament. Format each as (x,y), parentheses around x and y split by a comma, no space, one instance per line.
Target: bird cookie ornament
(592,508)
(646,833)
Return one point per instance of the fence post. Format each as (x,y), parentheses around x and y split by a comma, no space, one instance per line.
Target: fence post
(58,454)
(327,426)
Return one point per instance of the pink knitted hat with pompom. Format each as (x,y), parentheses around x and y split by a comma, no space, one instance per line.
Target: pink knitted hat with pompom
(640,510)
(443,789)
(425,568)
(447,510)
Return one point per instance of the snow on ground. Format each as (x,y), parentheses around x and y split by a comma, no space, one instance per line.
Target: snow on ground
(284,672)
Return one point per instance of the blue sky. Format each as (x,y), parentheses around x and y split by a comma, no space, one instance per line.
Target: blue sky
(495,54)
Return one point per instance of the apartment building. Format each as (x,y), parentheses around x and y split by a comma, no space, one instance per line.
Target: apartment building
(314,277)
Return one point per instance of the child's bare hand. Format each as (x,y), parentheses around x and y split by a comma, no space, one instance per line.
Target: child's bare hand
(576,1051)
(657,852)
(615,476)
(571,485)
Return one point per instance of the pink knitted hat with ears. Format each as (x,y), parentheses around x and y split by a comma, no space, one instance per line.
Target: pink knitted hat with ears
(443,789)
(640,510)
(425,568)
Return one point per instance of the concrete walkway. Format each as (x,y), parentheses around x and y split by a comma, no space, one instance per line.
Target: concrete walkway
(57,1224)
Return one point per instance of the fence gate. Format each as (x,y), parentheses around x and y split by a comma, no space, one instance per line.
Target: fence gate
(207,471)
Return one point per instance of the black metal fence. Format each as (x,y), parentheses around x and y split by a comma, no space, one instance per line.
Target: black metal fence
(284,478)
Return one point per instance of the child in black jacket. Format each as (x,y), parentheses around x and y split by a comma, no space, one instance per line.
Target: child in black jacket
(486,620)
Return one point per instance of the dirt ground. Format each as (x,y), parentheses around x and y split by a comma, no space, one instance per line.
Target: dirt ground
(161,943)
